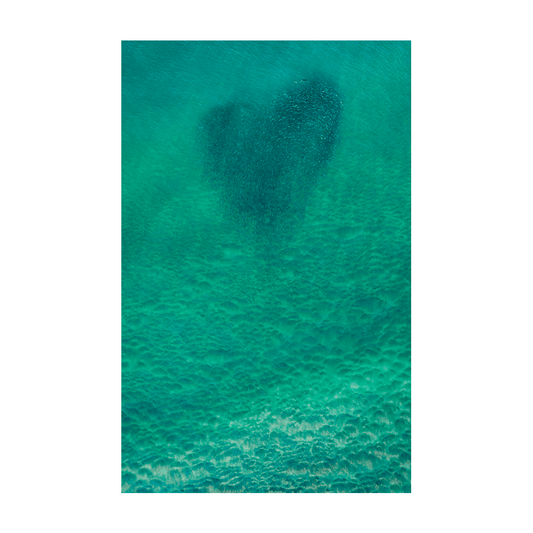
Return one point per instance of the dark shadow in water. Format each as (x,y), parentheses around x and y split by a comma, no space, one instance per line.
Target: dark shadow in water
(264,162)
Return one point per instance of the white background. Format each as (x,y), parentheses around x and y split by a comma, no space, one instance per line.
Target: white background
(419,33)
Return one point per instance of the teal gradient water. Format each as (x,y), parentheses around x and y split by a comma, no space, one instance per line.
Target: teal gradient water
(253,363)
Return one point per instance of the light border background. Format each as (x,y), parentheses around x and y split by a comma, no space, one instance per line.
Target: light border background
(419,33)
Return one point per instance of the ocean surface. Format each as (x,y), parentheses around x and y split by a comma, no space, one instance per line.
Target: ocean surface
(266,278)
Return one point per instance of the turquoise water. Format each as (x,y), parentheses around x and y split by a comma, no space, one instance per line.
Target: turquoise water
(266,267)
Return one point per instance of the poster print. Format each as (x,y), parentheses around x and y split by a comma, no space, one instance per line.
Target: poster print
(266,266)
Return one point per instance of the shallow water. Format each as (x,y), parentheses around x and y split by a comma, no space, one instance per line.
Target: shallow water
(265,358)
